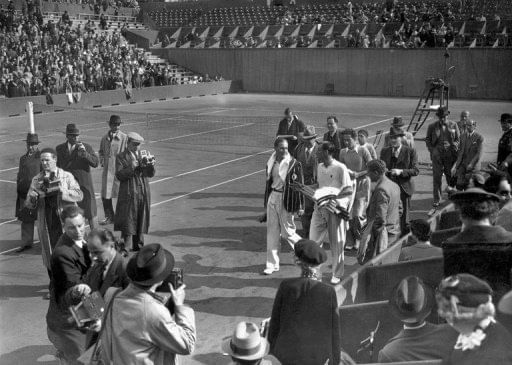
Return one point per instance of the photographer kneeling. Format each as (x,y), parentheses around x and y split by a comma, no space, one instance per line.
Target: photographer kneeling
(139,328)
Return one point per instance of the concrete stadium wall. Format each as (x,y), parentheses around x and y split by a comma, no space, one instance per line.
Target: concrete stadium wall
(16,106)
(141,38)
(480,73)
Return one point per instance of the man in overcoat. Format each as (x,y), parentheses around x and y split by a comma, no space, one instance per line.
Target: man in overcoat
(469,155)
(77,158)
(49,203)
(134,201)
(29,166)
(112,144)
(401,162)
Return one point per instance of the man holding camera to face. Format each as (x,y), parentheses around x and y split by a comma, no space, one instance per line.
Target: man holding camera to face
(133,168)
(78,158)
(139,328)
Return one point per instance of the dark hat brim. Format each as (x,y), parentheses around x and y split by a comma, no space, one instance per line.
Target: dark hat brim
(409,316)
(310,137)
(473,195)
(131,270)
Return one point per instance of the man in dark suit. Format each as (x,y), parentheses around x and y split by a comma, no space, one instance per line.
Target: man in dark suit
(401,162)
(77,158)
(333,135)
(504,158)
(412,302)
(30,166)
(442,141)
(469,155)
(305,323)
(292,129)
(108,267)
(480,249)
(69,264)
(382,214)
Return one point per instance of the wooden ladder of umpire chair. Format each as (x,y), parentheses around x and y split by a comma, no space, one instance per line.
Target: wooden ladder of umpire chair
(435,95)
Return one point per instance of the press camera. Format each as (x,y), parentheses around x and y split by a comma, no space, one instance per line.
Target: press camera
(146,158)
(89,310)
(49,184)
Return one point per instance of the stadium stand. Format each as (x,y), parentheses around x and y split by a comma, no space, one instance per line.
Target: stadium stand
(410,24)
(53,53)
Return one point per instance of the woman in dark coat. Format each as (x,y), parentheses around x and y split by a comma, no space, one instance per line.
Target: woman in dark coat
(134,198)
(305,323)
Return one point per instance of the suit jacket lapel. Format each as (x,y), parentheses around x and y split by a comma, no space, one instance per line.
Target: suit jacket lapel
(111,275)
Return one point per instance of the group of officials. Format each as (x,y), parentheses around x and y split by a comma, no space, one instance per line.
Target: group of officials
(358,217)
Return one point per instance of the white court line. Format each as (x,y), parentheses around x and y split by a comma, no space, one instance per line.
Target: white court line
(203,189)
(214,112)
(209,167)
(314,112)
(9,169)
(9,221)
(8,181)
(200,133)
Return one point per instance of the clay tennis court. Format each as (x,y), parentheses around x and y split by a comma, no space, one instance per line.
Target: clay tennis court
(206,196)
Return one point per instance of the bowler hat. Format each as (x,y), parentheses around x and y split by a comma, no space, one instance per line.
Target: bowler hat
(397,122)
(474,194)
(506,117)
(469,290)
(411,300)
(246,343)
(71,129)
(442,111)
(135,137)
(115,119)
(32,138)
(310,252)
(396,132)
(150,265)
(309,133)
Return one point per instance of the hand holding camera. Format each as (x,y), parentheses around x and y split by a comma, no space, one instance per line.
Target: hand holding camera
(146,159)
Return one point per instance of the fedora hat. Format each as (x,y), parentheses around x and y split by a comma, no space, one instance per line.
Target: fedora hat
(150,265)
(442,112)
(475,194)
(246,343)
(411,300)
(309,133)
(506,117)
(72,129)
(115,119)
(396,132)
(397,122)
(32,138)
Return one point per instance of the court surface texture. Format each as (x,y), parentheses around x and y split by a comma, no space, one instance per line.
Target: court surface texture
(206,196)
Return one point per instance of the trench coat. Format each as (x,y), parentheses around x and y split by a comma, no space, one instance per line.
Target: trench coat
(108,152)
(70,194)
(129,219)
(29,167)
(79,163)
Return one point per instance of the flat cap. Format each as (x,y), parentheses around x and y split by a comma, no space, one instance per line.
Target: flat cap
(135,137)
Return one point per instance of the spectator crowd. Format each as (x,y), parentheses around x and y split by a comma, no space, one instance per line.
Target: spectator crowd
(50,58)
